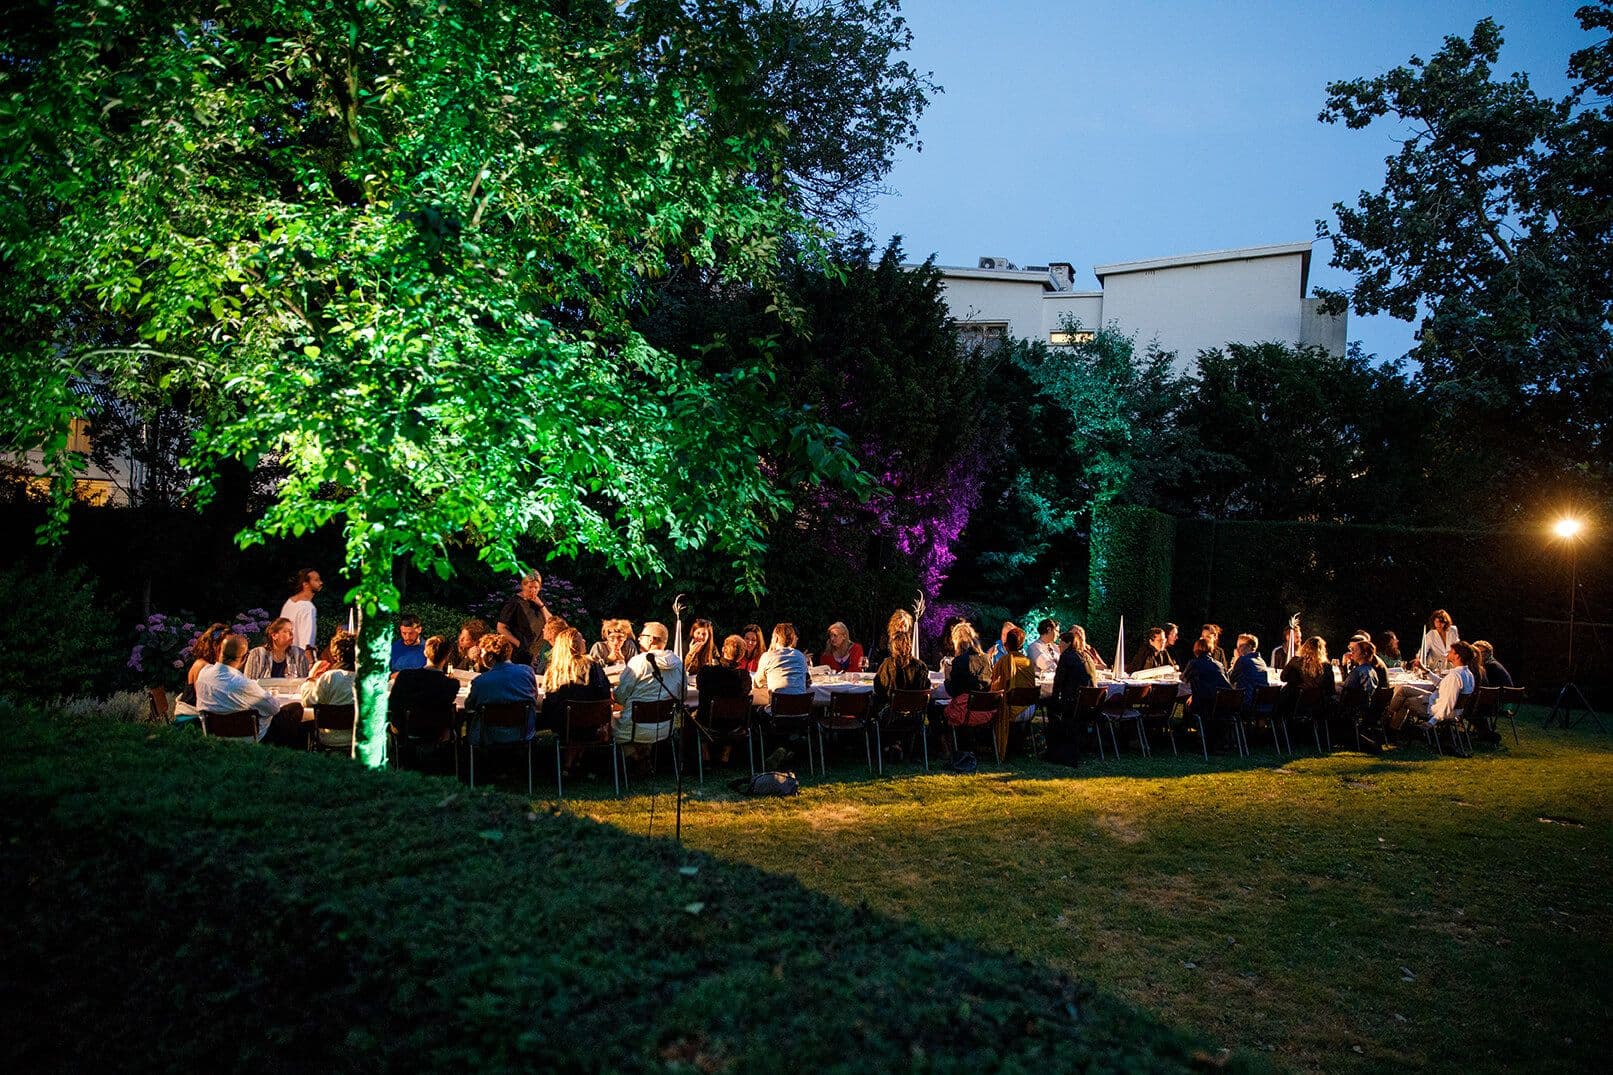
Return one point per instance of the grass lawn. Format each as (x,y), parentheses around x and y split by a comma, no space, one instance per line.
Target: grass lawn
(169,903)
(1340,913)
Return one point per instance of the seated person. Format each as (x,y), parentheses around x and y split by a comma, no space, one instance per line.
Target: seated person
(1092,654)
(1388,645)
(1075,670)
(425,688)
(221,687)
(724,677)
(1308,669)
(702,648)
(1366,673)
(615,645)
(1002,641)
(1211,633)
(1495,674)
(571,676)
(407,649)
(1203,677)
(467,652)
(1044,652)
(1153,653)
(754,647)
(330,657)
(1439,704)
(502,680)
(970,670)
(277,658)
(1013,669)
(901,671)
(783,668)
(654,674)
(1249,672)
(841,653)
(333,684)
(1172,632)
(204,651)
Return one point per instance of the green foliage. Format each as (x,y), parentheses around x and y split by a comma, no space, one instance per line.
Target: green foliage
(1492,227)
(1130,575)
(217,878)
(398,250)
(60,640)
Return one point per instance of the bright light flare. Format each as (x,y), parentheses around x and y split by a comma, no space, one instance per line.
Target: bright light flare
(1568,527)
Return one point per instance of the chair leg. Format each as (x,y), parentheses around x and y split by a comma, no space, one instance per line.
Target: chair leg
(868,750)
(529,768)
(879,746)
(559,773)
(1204,739)
(924,738)
(473,763)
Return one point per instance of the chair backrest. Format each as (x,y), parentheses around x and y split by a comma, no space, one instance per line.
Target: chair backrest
(728,712)
(984,706)
(1353,699)
(426,722)
(159,704)
(782,704)
(239,725)
(1459,707)
(505,715)
(1266,697)
(1089,701)
(657,712)
(1161,699)
(1310,698)
(850,705)
(1130,698)
(1513,697)
(1380,701)
(335,718)
(909,703)
(1228,700)
(1486,703)
(586,721)
(1020,697)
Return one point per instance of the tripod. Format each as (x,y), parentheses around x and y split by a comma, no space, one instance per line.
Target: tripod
(1562,710)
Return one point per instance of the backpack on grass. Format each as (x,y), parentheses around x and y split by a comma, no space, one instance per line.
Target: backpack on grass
(776,785)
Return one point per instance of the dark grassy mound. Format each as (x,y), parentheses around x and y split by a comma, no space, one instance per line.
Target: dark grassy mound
(174,903)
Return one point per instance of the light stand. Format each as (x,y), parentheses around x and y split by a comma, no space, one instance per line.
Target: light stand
(1562,709)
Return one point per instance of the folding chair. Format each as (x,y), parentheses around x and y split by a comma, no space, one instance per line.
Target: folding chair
(1378,707)
(1023,698)
(588,726)
(1511,699)
(907,710)
(242,724)
(1127,706)
(1453,724)
(1353,708)
(514,715)
(429,727)
(1225,706)
(786,715)
(985,708)
(1483,713)
(1311,706)
(330,720)
(848,712)
(1264,708)
(1089,710)
(650,714)
(1156,709)
(724,720)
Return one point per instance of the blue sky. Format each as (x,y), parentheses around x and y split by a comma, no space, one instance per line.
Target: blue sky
(1099,132)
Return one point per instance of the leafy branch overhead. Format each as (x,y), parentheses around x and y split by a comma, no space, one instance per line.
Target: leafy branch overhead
(399,247)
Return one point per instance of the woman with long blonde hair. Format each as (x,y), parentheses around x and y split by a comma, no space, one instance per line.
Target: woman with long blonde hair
(572,675)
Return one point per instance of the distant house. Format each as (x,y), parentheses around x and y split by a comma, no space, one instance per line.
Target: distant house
(1187,303)
(96,484)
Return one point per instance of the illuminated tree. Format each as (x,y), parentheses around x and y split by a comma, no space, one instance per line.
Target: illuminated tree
(395,245)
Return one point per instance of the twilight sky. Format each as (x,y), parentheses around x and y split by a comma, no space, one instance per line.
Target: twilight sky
(1096,132)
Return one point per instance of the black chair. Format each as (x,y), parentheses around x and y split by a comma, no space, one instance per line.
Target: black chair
(1022,698)
(722,721)
(588,727)
(908,711)
(1353,703)
(330,720)
(1483,713)
(786,715)
(1264,708)
(985,708)
(1306,704)
(652,715)
(1126,707)
(426,728)
(848,711)
(1155,712)
(1224,708)
(513,715)
(1511,699)
(242,724)
(1455,724)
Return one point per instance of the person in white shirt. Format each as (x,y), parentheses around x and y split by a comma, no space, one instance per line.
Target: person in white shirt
(783,668)
(1439,704)
(1434,653)
(653,674)
(299,609)
(1044,652)
(334,686)
(222,687)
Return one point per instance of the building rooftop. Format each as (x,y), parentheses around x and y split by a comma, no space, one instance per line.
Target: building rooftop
(1242,253)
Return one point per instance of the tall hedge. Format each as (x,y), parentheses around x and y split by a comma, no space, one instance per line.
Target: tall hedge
(1130,570)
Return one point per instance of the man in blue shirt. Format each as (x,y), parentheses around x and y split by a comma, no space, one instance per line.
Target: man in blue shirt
(1248,670)
(407,649)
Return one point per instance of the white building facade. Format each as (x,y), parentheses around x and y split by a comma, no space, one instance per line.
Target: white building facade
(1186,303)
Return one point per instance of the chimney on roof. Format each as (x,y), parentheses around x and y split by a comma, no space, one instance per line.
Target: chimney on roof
(1062,273)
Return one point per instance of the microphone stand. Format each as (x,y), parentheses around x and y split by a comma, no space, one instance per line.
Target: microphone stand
(683,698)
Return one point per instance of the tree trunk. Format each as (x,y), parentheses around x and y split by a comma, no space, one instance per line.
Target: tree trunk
(373,657)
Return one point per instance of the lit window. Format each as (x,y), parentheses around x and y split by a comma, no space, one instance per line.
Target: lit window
(78,436)
(982,336)
(1068,339)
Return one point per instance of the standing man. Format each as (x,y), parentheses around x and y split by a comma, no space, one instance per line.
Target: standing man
(522,618)
(299,609)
